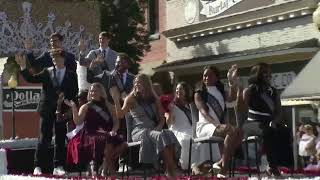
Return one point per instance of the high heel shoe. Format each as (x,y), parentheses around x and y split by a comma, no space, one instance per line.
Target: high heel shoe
(196,171)
(216,168)
(273,172)
(91,169)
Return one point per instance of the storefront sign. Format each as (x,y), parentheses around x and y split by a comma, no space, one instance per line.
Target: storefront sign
(214,8)
(25,98)
(279,80)
(282,80)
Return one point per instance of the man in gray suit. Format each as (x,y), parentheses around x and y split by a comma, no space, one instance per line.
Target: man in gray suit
(104,58)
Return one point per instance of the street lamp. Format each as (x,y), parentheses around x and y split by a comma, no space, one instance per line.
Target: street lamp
(316,16)
(12,83)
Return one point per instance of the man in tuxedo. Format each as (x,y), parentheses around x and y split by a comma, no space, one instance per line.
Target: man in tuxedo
(119,78)
(57,83)
(104,57)
(45,60)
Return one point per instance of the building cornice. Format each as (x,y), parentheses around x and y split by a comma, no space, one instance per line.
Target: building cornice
(247,19)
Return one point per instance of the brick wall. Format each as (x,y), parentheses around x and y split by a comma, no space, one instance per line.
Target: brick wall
(158,47)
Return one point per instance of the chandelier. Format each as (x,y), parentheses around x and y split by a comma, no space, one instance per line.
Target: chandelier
(13,35)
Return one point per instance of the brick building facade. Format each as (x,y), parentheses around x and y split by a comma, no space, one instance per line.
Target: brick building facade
(243,32)
(70,16)
(157,54)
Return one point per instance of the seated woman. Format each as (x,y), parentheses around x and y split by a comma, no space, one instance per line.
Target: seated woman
(179,121)
(262,104)
(98,137)
(148,120)
(210,100)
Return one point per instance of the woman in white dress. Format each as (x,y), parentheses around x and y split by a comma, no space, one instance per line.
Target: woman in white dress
(210,100)
(180,123)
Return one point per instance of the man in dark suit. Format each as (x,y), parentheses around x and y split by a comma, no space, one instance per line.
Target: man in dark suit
(57,82)
(104,57)
(119,78)
(45,60)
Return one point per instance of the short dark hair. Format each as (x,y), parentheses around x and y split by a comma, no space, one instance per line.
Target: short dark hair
(124,56)
(106,34)
(57,35)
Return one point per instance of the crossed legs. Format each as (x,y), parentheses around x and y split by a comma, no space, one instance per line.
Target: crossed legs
(233,138)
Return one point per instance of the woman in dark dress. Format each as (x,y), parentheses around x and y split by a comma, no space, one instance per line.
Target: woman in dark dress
(98,138)
(262,104)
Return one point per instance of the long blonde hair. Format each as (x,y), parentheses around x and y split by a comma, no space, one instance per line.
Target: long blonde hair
(99,86)
(147,86)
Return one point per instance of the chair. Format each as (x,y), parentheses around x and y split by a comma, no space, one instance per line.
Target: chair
(131,145)
(255,140)
(209,139)
(241,117)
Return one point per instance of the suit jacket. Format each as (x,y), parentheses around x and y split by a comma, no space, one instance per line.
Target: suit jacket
(109,60)
(45,61)
(50,87)
(128,84)
(109,79)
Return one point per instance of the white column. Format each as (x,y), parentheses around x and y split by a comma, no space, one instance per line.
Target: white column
(2,62)
(295,145)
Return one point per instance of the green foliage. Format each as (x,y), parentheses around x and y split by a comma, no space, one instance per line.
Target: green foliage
(125,19)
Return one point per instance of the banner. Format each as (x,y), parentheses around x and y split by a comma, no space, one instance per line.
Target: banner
(214,8)
(25,98)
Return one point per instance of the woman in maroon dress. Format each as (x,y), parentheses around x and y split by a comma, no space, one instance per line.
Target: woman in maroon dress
(98,139)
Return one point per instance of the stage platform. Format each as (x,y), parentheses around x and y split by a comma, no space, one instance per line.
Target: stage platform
(16,162)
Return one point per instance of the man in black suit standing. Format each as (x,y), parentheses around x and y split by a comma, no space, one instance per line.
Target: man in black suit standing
(104,57)
(45,60)
(57,81)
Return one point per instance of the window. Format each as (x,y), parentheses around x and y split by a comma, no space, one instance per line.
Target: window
(153,16)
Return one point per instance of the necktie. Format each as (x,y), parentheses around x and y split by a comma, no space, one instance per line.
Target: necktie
(59,73)
(121,78)
(103,53)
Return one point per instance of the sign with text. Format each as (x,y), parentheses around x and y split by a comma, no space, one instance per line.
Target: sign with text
(25,98)
(214,8)
(278,80)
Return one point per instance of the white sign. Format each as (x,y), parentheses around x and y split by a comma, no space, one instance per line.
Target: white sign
(211,9)
(282,80)
(25,98)
(190,11)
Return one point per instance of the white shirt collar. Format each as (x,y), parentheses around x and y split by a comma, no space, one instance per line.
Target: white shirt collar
(106,49)
(124,76)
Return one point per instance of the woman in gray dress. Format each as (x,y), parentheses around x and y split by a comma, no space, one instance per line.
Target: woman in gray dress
(148,120)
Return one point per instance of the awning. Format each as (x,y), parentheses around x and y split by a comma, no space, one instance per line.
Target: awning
(306,85)
(301,50)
